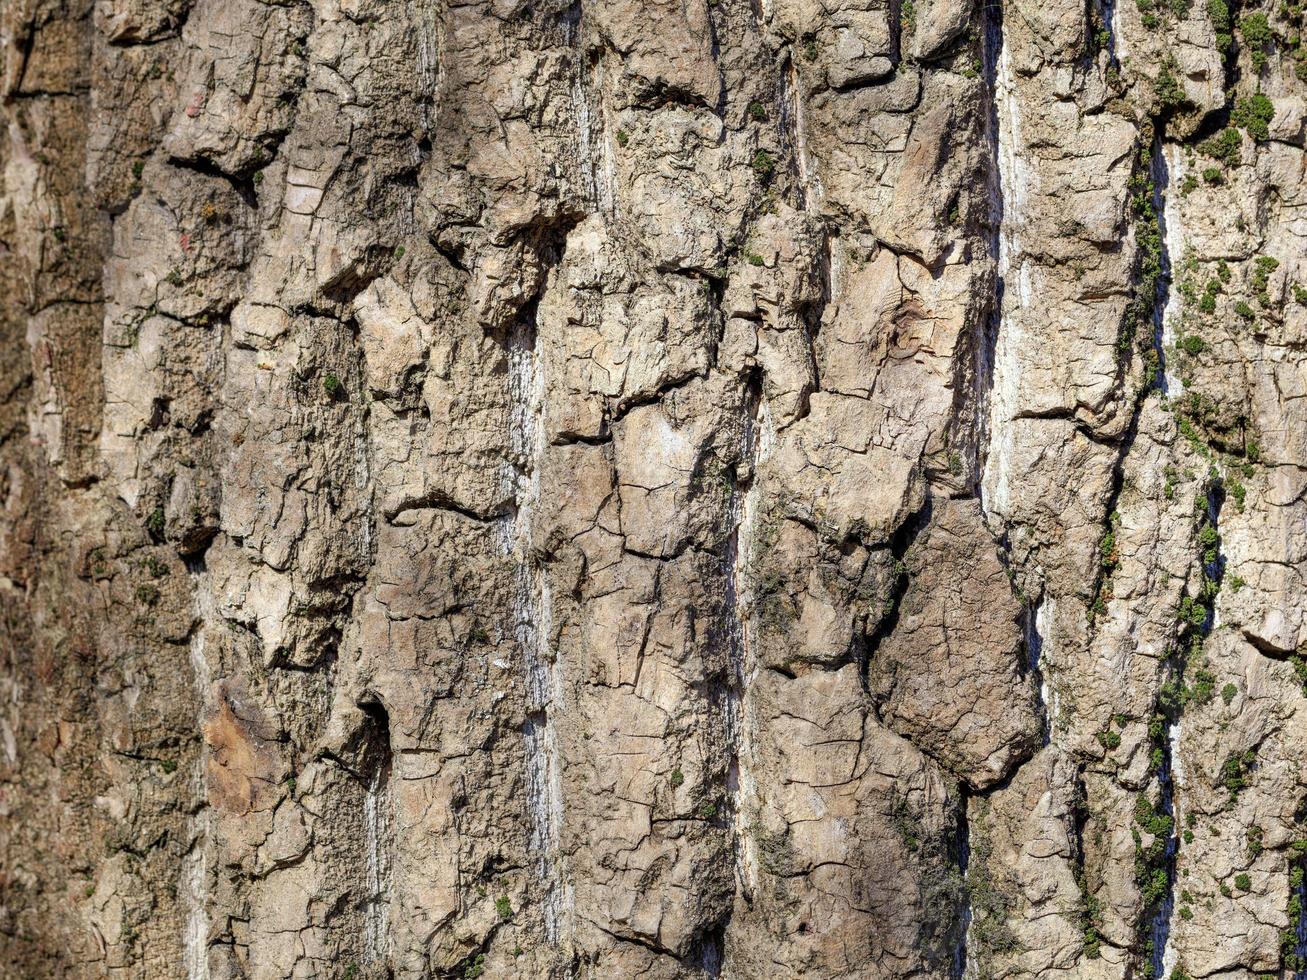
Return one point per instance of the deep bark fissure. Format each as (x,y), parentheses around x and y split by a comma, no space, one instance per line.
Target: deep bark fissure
(1159,922)
(739,616)
(1171,704)
(899,544)
(1033,649)
(1298,870)
(999,114)
(965,913)
(378,822)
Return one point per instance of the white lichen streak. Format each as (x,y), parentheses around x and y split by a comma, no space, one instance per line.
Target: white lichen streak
(363,482)
(581,116)
(531,617)
(970,968)
(605,177)
(194,884)
(1172,311)
(809,180)
(1170,957)
(430,45)
(759,437)
(195,892)
(1010,345)
(12,686)
(1047,693)
(377,821)
(598,175)
(1118,44)
(1177,772)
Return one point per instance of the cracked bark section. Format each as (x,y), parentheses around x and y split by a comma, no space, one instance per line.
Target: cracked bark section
(662,489)
(976,717)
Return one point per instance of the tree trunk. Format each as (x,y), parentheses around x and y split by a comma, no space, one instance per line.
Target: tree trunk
(713,488)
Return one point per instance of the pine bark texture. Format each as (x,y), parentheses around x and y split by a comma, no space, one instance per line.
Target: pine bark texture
(663,489)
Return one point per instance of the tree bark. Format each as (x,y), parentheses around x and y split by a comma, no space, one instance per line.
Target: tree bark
(713,488)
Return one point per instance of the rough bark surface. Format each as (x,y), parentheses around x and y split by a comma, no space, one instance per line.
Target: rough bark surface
(664,489)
